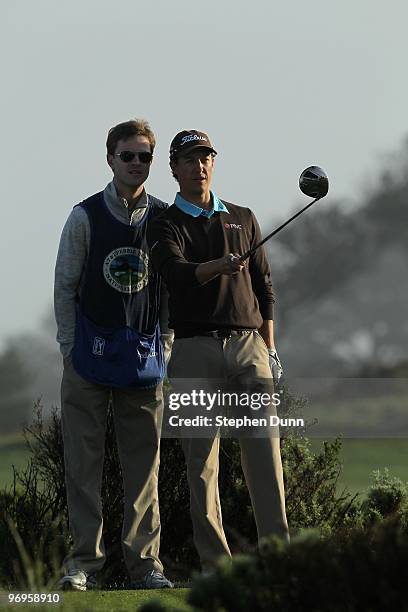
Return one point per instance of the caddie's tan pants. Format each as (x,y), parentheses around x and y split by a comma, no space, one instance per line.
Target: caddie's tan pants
(137,418)
(242,359)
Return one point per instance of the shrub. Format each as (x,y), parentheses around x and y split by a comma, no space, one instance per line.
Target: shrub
(387,496)
(362,570)
(37,505)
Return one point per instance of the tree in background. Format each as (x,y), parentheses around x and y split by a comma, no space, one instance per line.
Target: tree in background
(30,368)
(15,387)
(341,281)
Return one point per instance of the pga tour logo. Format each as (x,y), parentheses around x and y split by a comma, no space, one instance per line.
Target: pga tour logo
(237,226)
(192,137)
(98,346)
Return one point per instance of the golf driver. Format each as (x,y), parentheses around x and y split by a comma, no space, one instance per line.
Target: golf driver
(314,183)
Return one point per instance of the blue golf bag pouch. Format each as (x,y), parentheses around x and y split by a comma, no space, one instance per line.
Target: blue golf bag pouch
(121,357)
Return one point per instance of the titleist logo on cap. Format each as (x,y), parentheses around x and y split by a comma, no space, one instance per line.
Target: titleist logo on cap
(191,137)
(188,140)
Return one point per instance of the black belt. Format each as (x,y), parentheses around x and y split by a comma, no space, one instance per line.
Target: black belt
(219,334)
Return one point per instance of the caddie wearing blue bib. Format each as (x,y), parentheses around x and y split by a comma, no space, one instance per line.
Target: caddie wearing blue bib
(107,308)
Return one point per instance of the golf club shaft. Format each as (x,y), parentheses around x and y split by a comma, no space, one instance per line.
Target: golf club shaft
(278,229)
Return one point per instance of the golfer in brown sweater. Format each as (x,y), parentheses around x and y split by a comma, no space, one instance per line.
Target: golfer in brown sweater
(221,310)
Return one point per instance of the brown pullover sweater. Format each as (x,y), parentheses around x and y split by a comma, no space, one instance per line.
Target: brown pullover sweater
(179,242)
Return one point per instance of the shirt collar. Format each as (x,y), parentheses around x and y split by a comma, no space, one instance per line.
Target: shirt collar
(195,211)
(113,193)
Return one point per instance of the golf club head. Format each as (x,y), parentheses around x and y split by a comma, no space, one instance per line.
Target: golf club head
(314,182)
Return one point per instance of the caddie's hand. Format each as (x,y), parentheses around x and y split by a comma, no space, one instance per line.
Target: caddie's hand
(275,365)
(231,264)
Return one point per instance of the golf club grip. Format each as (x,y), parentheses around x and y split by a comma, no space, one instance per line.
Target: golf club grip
(278,229)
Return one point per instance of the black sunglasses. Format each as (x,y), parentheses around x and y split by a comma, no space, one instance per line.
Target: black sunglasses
(145,157)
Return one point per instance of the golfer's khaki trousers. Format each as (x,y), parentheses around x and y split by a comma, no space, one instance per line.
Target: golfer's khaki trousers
(241,359)
(137,419)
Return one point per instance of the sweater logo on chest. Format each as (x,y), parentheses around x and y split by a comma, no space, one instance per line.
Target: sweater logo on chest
(236,226)
(126,269)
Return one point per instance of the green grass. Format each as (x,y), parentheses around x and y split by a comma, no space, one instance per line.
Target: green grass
(359,457)
(112,601)
(13,451)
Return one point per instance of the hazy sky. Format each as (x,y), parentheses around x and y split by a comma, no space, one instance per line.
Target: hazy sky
(278,86)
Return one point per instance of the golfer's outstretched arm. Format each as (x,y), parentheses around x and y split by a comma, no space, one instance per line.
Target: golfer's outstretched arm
(166,254)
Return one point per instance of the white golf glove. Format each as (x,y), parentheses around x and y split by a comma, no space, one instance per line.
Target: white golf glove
(275,365)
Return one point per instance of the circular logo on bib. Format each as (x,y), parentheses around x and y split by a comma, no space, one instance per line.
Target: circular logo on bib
(126,269)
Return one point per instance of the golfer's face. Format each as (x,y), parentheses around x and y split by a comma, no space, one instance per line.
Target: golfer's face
(194,171)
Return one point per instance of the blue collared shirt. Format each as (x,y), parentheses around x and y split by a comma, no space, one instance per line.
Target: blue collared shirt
(196,211)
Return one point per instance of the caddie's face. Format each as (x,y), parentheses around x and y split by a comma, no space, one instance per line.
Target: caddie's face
(133,173)
(194,171)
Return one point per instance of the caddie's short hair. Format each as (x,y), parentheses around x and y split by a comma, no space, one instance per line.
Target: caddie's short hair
(127,129)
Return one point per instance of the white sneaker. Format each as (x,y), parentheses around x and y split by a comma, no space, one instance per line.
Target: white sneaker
(77,580)
(152,580)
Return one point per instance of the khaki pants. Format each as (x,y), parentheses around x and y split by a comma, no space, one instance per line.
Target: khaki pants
(242,359)
(137,418)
